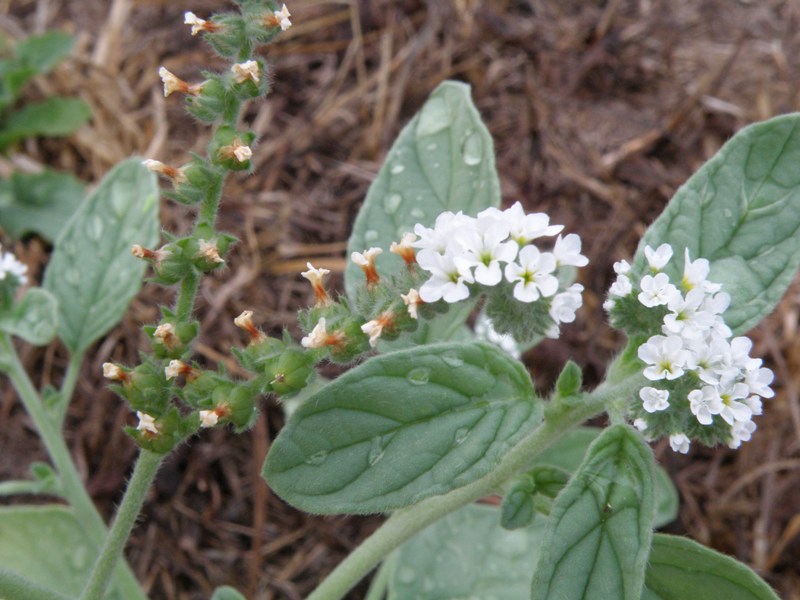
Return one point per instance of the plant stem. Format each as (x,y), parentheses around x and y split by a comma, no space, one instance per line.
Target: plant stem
(72,487)
(379,583)
(406,522)
(68,387)
(143,474)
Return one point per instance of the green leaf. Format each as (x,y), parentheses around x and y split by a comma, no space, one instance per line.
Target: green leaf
(39,202)
(402,427)
(13,76)
(92,272)
(226,592)
(681,568)
(741,211)
(442,160)
(46,545)
(570,380)
(598,535)
(569,451)
(466,555)
(51,117)
(45,51)
(34,318)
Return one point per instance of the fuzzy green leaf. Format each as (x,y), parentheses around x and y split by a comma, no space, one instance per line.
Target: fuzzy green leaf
(46,545)
(402,427)
(442,160)
(741,211)
(34,318)
(45,51)
(569,451)
(466,555)
(92,272)
(681,568)
(598,535)
(39,202)
(51,117)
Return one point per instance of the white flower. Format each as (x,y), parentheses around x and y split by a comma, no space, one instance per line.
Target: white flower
(656,290)
(207,249)
(484,248)
(755,405)
(9,265)
(640,424)
(318,338)
(113,372)
(412,301)
(695,275)
(741,431)
(654,400)
(282,18)
(373,329)
(733,409)
(208,418)
(524,228)
(622,267)
(405,249)
(314,275)
(665,355)
(174,369)
(166,336)
(146,422)
(450,275)
(679,443)
(568,251)
(242,152)
(171,82)
(685,317)
(658,258)
(621,287)
(564,305)
(705,402)
(246,70)
(758,380)
(532,274)
(440,237)
(198,24)
(367,258)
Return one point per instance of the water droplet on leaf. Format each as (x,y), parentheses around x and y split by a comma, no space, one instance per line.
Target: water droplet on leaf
(434,117)
(406,575)
(419,376)
(317,458)
(371,235)
(472,150)
(398,169)
(392,202)
(417,213)
(94,228)
(72,277)
(461,434)
(453,359)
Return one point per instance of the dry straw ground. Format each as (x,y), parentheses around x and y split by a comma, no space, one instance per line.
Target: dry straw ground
(600,109)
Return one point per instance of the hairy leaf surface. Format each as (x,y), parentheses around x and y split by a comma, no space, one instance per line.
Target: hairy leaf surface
(402,427)
(34,318)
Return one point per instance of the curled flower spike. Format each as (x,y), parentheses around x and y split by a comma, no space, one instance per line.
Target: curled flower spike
(279,18)
(366,261)
(198,24)
(375,328)
(175,368)
(412,301)
(208,251)
(405,249)
(208,418)
(173,173)
(315,276)
(147,424)
(320,338)
(166,336)
(245,321)
(172,83)
(246,70)
(115,373)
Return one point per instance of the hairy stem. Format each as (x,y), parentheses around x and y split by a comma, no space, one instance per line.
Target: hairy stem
(68,387)
(406,522)
(143,474)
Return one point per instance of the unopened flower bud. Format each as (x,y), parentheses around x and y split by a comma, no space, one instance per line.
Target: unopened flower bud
(315,276)
(198,24)
(209,252)
(115,373)
(245,321)
(176,368)
(156,166)
(246,70)
(147,424)
(172,83)
(375,328)
(405,249)
(208,418)
(412,301)
(279,18)
(366,261)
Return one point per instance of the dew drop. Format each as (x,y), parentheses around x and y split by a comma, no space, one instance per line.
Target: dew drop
(419,376)
(392,202)
(431,147)
(406,575)
(453,359)
(371,235)
(472,150)
(728,213)
(417,213)
(376,450)
(434,117)
(72,277)
(397,169)
(94,228)
(317,458)
(461,434)
(119,203)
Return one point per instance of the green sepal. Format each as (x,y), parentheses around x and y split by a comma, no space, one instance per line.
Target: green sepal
(570,380)
(220,147)
(200,177)
(216,101)
(173,429)
(147,389)
(525,321)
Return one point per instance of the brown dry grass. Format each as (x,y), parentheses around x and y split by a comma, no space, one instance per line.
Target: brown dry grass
(599,109)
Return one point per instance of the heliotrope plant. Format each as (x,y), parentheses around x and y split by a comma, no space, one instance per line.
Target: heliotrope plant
(434,414)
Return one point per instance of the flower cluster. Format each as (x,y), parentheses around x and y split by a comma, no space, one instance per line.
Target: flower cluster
(13,274)
(494,250)
(705,385)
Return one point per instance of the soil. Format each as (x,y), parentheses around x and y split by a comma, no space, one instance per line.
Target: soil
(600,110)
